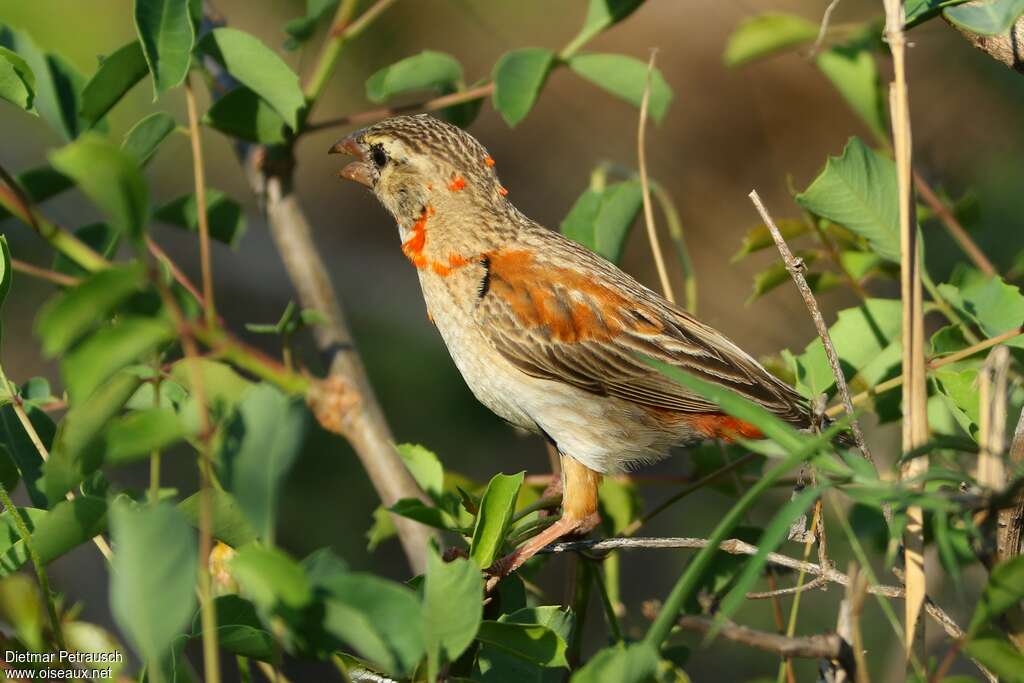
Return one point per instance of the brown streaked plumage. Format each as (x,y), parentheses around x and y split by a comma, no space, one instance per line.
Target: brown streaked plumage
(545,332)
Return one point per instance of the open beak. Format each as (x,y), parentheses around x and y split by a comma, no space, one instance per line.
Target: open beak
(360,170)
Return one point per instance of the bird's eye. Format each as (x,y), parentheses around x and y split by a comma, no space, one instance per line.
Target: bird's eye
(380,157)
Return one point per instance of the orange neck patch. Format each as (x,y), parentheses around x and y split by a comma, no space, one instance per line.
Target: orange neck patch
(414,246)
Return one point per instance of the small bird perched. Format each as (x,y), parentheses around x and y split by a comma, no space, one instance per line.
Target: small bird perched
(545,332)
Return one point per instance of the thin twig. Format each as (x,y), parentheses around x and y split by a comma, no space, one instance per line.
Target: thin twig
(675,231)
(44,274)
(824,646)
(433,104)
(652,232)
(734,546)
(956,230)
(796,269)
(817,582)
(823,27)
(199,178)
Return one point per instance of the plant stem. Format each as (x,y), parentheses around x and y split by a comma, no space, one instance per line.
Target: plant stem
(606,603)
(207,613)
(652,232)
(44,581)
(154,458)
(44,274)
(342,30)
(915,392)
(60,239)
(199,178)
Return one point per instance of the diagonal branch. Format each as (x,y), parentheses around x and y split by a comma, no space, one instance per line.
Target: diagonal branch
(345,402)
(795,267)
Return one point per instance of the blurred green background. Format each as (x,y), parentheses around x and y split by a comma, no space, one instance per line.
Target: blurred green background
(726,132)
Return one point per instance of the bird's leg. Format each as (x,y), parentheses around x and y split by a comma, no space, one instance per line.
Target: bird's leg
(579,515)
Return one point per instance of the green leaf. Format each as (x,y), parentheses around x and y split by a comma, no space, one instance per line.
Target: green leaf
(99,356)
(103,239)
(239,629)
(996,306)
(22,608)
(854,74)
(601,218)
(243,114)
(1005,589)
(633,663)
(496,508)
(152,585)
(866,339)
(5,283)
(259,68)
(518,77)
(166,33)
(85,637)
(66,318)
(767,34)
(424,467)
(229,522)
(532,643)
(919,11)
(452,608)
(79,445)
(960,388)
(146,135)
(416,509)
(9,474)
(758,237)
(271,578)
(116,75)
(261,441)
(55,532)
(302,28)
(16,441)
(428,70)
(225,216)
(774,535)
(375,617)
(991,18)
(137,435)
(224,387)
(626,78)
(602,14)
(998,655)
(110,177)
(858,191)
(57,84)
(17,82)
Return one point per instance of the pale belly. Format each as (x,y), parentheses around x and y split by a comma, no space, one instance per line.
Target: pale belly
(605,434)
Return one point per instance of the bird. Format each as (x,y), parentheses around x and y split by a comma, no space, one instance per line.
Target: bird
(546,333)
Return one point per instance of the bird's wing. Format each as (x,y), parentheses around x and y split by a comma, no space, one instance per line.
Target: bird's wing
(557,311)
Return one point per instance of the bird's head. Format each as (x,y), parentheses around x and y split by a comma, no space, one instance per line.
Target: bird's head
(412,162)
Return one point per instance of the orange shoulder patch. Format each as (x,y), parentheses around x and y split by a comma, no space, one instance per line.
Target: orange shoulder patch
(568,305)
(457,183)
(489,161)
